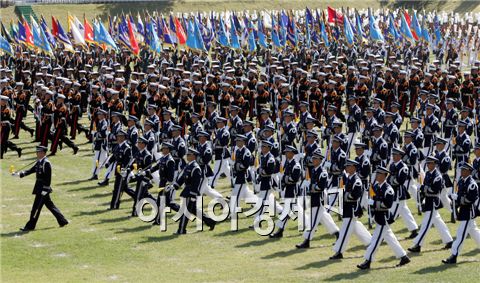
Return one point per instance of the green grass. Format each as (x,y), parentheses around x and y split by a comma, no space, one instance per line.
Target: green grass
(104,10)
(102,245)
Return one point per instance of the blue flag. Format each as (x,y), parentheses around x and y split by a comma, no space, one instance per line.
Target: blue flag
(198,37)
(102,36)
(234,42)
(252,46)
(392,29)
(375,32)
(416,26)
(48,34)
(324,34)
(425,34)
(348,32)
(436,27)
(405,29)
(222,34)
(5,46)
(275,35)
(262,39)
(191,42)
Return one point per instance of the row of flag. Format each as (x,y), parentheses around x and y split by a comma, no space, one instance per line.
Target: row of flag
(266,30)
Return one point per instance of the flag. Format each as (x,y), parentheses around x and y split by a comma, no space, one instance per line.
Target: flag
(425,34)
(167,38)
(152,37)
(324,34)
(262,38)
(436,30)
(208,34)
(252,46)
(28,33)
(282,30)
(6,35)
(198,36)
(375,32)
(123,33)
(392,29)
(358,22)
(133,41)
(60,34)
(89,36)
(102,36)
(234,42)
(173,31)
(39,39)
(48,34)
(222,34)
(275,35)
(405,29)
(334,16)
(14,31)
(75,31)
(348,32)
(140,26)
(292,31)
(416,29)
(181,35)
(79,26)
(5,46)
(191,43)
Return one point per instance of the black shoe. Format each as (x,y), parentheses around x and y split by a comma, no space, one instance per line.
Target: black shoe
(64,224)
(337,256)
(103,183)
(15,138)
(19,152)
(415,249)
(94,177)
(31,133)
(25,229)
(52,154)
(448,246)
(450,260)
(404,260)
(364,265)
(337,235)
(304,245)
(413,234)
(180,233)
(277,234)
(212,226)
(75,150)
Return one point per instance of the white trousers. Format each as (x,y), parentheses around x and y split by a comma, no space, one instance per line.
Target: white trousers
(288,204)
(446,202)
(383,232)
(465,228)
(400,208)
(349,226)
(429,218)
(100,156)
(206,190)
(267,198)
(241,192)
(110,171)
(319,215)
(220,166)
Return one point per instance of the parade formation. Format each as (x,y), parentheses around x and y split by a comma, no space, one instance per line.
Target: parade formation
(357,116)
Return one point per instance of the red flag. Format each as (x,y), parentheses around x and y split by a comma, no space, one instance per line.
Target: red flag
(334,16)
(409,22)
(133,41)
(28,33)
(88,31)
(182,37)
(54,27)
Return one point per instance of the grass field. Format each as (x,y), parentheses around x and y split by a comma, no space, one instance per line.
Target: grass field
(103,245)
(167,6)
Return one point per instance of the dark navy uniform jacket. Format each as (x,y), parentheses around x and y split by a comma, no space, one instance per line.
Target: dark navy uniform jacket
(150,136)
(352,196)
(112,136)
(451,119)
(391,136)
(43,174)
(431,188)
(419,137)
(166,169)
(100,140)
(155,119)
(318,184)
(204,158)
(191,176)
(462,147)
(363,169)
(289,135)
(122,154)
(178,152)
(291,176)
(220,143)
(243,159)
(444,165)
(398,180)
(410,159)
(236,127)
(265,171)
(467,197)
(165,130)
(354,117)
(431,129)
(379,155)
(338,158)
(383,201)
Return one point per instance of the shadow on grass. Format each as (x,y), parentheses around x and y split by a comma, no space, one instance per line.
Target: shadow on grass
(134,229)
(317,264)
(232,233)
(90,213)
(20,233)
(98,195)
(74,182)
(357,248)
(84,188)
(112,220)
(256,243)
(158,239)
(472,252)
(284,253)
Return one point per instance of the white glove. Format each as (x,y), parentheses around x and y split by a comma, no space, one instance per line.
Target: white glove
(454,196)
(16,174)
(141,173)
(123,173)
(44,193)
(327,164)
(371,201)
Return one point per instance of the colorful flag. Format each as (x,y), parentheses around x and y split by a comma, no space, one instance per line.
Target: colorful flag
(181,35)
(334,16)
(198,36)
(324,34)
(392,29)
(262,38)
(191,43)
(6,46)
(275,35)
(416,29)
(375,32)
(61,35)
(6,35)
(89,35)
(291,31)
(252,46)
(102,36)
(234,42)
(133,41)
(77,35)
(405,29)
(39,39)
(48,34)
(348,32)
(425,34)
(167,37)
(222,36)
(360,32)
(436,30)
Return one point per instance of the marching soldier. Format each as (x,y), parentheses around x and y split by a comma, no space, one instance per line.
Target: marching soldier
(430,131)
(400,181)
(337,160)
(41,190)
(190,177)
(379,154)
(462,147)
(115,127)
(222,155)
(353,121)
(143,160)
(289,187)
(450,121)
(444,165)
(60,115)
(467,209)
(352,198)
(391,134)
(381,203)
(430,192)
(203,159)
(99,143)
